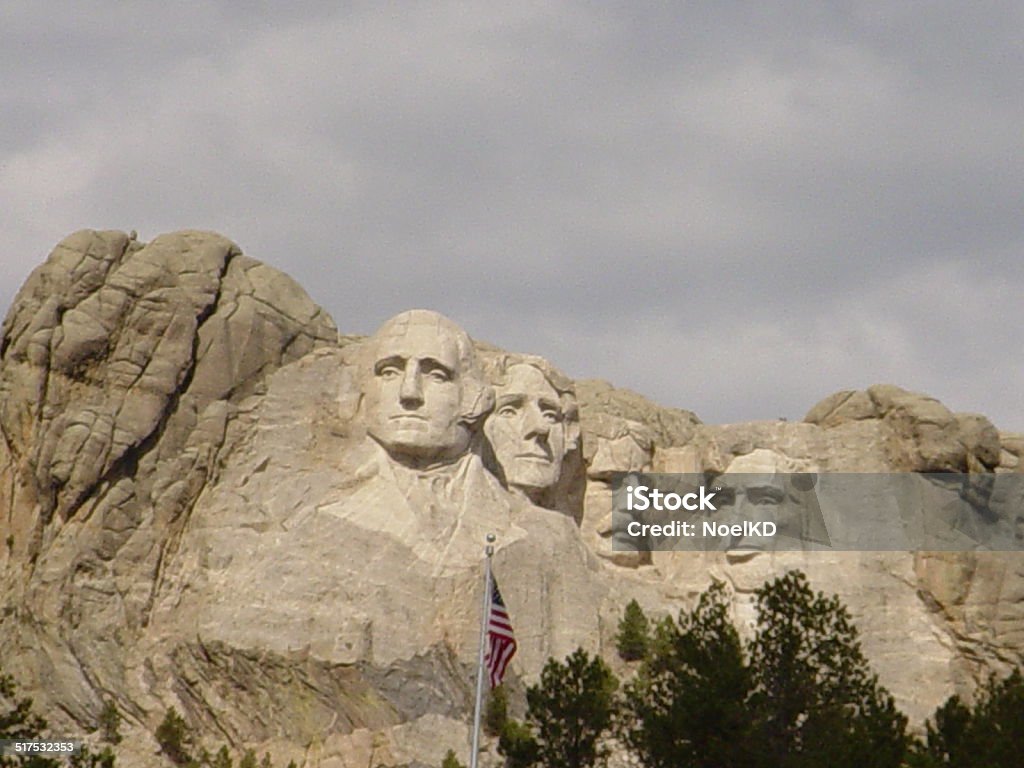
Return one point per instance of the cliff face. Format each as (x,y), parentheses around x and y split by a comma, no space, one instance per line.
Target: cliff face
(193,517)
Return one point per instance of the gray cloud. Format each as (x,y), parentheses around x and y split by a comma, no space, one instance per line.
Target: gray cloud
(732,210)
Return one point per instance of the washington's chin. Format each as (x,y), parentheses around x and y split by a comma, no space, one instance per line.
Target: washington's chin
(420,441)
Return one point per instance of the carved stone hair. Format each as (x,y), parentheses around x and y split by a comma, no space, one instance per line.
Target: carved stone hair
(497,370)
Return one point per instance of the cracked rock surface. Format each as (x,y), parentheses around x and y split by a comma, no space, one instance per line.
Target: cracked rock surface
(182,524)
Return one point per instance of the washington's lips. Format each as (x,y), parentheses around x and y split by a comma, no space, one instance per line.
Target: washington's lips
(407,417)
(534,456)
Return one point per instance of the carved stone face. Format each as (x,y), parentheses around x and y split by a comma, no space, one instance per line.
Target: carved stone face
(761,496)
(527,430)
(413,392)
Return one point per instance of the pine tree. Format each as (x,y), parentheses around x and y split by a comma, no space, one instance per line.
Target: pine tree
(174,738)
(451,761)
(518,745)
(86,758)
(110,724)
(801,694)
(816,697)
(496,711)
(989,734)
(18,721)
(571,709)
(688,704)
(634,633)
(222,759)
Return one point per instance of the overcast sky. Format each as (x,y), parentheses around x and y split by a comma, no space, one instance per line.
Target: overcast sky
(736,208)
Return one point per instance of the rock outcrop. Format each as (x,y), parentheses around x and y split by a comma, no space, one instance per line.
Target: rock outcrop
(193,515)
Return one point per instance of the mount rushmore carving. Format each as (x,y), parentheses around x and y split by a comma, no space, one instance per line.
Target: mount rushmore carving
(209,499)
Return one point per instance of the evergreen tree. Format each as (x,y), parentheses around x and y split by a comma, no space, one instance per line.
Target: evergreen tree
(517,744)
(222,759)
(18,721)
(451,761)
(816,698)
(110,724)
(570,709)
(688,704)
(174,738)
(801,694)
(86,758)
(989,734)
(248,760)
(634,633)
(496,711)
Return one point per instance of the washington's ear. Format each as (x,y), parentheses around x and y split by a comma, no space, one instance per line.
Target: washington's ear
(572,435)
(478,400)
(348,395)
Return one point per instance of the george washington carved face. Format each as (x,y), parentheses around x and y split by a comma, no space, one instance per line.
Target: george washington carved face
(422,393)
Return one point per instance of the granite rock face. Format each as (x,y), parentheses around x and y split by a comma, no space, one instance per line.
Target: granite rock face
(195,514)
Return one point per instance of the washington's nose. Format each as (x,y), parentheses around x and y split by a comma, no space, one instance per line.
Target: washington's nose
(411,392)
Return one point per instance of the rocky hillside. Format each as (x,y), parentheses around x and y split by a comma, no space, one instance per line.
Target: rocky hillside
(187,522)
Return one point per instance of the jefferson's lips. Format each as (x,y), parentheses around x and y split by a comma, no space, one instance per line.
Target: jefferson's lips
(541,456)
(406,417)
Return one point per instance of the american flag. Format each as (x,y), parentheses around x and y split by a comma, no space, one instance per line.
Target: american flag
(501,643)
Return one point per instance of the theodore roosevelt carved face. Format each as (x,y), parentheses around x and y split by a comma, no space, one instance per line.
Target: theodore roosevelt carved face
(423,395)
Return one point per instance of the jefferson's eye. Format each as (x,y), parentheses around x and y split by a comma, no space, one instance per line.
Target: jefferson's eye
(551,416)
(507,411)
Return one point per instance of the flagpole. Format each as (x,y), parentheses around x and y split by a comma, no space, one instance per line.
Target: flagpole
(488,551)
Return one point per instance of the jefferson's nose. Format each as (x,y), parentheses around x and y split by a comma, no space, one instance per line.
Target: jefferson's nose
(534,423)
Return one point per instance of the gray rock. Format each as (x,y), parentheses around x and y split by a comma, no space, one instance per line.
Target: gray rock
(199,517)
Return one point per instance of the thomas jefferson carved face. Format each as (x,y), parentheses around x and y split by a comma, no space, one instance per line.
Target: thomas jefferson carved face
(421,394)
(527,430)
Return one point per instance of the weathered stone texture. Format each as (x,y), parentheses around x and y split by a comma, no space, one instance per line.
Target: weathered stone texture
(192,515)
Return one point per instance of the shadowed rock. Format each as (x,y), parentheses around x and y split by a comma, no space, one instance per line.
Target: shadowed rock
(200,509)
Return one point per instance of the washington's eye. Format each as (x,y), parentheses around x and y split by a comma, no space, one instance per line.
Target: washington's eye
(389,367)
(507,410)
(436,371)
